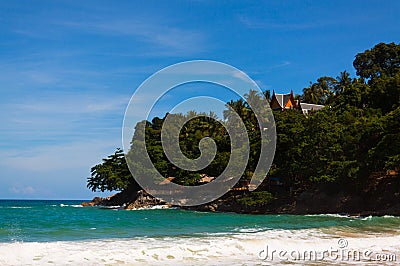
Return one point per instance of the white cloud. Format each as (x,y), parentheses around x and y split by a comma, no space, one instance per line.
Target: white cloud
(63,103)
(60,109)
(22,190)
(59,157)
(283,64)
(169,40)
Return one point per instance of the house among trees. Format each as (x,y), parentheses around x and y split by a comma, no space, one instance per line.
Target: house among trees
(308,107)
(283,101)
(287,101)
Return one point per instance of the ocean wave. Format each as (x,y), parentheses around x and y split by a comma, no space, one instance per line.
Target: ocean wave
(250,230)
(155,207)
(73,205)
(335,215)
(236,249)
(391,216)
(20,207)
(111,207)
(367,218)
(364,218)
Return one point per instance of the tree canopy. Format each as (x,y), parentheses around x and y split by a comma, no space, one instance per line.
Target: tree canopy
(383,60)
(355,135)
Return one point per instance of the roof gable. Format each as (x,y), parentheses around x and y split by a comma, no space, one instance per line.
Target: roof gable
(283,101)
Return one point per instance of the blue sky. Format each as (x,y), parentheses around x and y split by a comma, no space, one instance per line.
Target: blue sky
(69,68)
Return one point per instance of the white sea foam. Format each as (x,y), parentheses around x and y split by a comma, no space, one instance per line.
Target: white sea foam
(249,230)
(235,249)
(155,207)
(110,207)
(336,215)
(74,206)
(20,207)
(367,218)
(390,216)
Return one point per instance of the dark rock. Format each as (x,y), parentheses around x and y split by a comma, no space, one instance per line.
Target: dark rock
(118,199)
(377,197)
(143,200)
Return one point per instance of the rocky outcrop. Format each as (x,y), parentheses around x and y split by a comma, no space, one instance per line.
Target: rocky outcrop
(380,196)
(96,201)
(143,200)
(119,199)
(127,200)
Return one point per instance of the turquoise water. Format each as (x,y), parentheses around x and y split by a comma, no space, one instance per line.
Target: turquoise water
(47,221)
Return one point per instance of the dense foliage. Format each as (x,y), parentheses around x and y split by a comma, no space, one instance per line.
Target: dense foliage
(355,135)
(112,174)
(258,198)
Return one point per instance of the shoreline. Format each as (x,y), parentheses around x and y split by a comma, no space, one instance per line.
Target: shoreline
(376,197)
(377,201)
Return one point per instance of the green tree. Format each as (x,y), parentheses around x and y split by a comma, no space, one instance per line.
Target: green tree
(383,60)
(320,91)
(356,134)
(112,174)
(343,81)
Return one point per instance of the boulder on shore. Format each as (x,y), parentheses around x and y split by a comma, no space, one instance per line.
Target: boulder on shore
(96,201)
(130,200)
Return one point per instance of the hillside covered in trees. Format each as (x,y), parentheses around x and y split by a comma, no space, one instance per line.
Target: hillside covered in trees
(350,146)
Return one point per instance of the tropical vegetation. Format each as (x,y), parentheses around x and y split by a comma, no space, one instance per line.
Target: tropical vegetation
(355,135)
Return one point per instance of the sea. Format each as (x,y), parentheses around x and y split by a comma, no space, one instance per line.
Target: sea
(59,232)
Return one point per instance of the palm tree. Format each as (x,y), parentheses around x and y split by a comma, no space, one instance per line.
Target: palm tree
(311,94)
(321,91)
(344,81)
(240,108)
(267,94)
